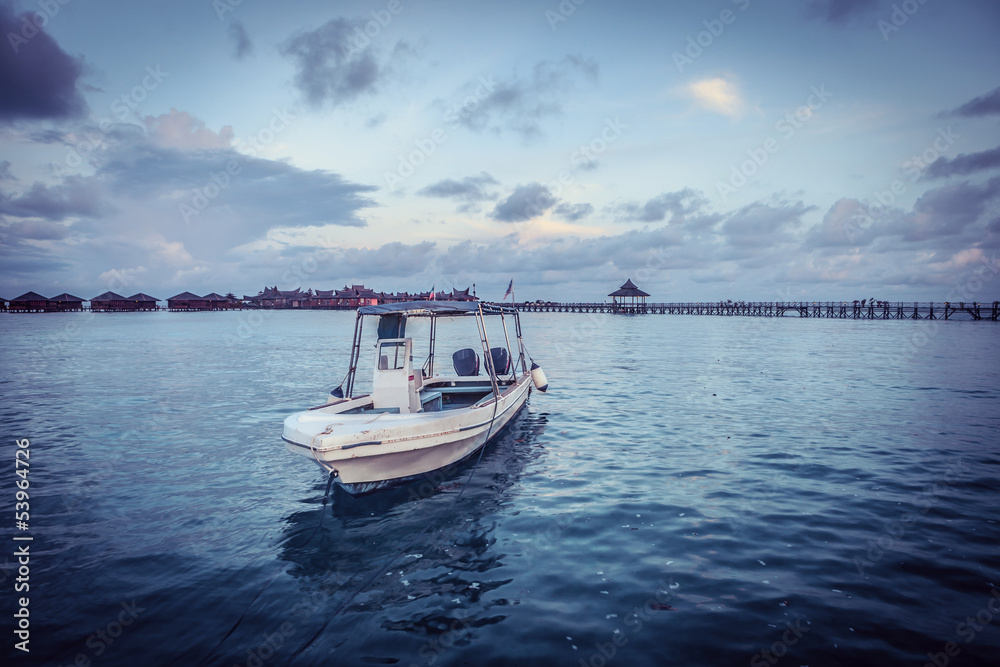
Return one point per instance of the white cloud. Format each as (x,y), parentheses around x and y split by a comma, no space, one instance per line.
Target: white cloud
(717,94)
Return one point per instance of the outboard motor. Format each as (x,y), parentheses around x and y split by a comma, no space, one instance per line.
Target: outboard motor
(500,360)
(466,362)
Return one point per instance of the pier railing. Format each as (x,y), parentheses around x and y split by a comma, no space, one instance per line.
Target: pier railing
(845,310)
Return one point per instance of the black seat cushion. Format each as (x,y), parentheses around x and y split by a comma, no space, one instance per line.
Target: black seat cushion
(466,362)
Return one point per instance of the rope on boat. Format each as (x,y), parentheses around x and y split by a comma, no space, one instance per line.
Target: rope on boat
(329,469)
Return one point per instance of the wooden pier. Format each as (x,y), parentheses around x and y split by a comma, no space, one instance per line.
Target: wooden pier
(879,310)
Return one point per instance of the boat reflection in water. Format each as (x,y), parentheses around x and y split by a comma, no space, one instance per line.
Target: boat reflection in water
(404,574)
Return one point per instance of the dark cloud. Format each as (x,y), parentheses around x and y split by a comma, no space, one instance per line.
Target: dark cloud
(518,105)
(242,46)
(526,202)
(964,164)
(945,211)
(470,190)
(839,11)
(337,61)
(760,225)
(181,216)
(655,250)
(985,105)
(257,196)
(38,79)
(573,212)
(35,230)
(48,136)
(5,173)
(947,217)
(75,196)
(678,204)
(843,226)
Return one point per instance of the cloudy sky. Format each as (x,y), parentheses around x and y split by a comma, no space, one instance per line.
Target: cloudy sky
(744,149)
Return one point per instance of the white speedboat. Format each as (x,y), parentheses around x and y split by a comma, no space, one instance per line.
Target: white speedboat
(416,421)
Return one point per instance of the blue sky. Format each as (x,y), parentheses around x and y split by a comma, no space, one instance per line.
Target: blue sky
(820,150)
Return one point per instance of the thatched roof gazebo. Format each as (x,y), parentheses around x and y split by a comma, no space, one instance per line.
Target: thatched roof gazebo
(628,298)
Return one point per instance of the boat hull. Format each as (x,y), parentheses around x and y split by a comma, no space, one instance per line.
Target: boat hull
(368,452)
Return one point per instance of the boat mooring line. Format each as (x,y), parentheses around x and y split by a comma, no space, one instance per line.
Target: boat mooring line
(393,558)
(322,515)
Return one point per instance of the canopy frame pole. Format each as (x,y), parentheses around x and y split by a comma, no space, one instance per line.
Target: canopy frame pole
(510,354)
(355,354)
(485,340)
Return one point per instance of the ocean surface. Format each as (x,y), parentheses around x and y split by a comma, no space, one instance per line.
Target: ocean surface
(690,491)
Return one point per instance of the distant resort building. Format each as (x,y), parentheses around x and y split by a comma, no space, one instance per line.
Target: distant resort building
(187,301)
(65,303)
(29,302)
(351,297)
(219,302)
(110,302)
(355,296)
(272,297)
(628,298)
(457,295)
(142,301)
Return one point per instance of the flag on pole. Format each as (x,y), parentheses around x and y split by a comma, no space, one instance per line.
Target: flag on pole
(433,293)
(510,289)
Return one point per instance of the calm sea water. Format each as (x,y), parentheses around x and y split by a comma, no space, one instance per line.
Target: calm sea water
(692,490)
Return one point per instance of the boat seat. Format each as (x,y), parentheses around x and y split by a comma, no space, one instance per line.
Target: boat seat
(500,360)
(431,401)
(466,362)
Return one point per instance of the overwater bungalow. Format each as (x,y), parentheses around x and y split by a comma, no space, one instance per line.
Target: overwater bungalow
(355,296)
(218,302)
(110,302)
(142,301)
(29,302)
(322,298)
(65,303)
(187,301)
